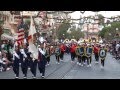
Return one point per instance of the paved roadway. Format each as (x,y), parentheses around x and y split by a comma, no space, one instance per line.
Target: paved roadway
(68,70)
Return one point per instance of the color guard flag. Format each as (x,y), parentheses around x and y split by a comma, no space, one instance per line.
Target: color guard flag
(32,31)
(20,34)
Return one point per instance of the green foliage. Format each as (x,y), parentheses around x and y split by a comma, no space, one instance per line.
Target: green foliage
(63,30)
(76,34)
(106,31)
(101,19)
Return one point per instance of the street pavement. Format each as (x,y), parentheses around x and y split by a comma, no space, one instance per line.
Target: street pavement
(68,70)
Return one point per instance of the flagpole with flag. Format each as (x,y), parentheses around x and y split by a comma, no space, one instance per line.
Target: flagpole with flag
(20,33)
(32,31)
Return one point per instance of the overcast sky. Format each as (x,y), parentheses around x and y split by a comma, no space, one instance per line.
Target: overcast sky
(77,14)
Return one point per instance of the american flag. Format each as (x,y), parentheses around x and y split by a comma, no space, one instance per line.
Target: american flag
(20,34)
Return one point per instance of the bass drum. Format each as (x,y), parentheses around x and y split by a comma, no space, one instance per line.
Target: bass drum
(102,53)
(88,51)
(77,51)
(81,51)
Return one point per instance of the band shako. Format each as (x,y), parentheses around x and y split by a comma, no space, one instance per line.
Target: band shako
(102,53)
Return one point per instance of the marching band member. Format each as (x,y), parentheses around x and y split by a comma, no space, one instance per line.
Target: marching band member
(62,48)
(72,51)
(48,53)
(41,60)
(89,51)
(24,61)
(96,53)
(33,65)
(81,51)
(57,54)
(84,57)
(16,59)
(102,54)
(78,55)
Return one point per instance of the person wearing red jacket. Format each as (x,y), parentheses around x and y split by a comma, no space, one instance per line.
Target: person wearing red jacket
(72,51)
(62,49)
(96,53)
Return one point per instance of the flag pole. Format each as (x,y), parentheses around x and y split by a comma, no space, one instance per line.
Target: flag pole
(36,29)
(23,27)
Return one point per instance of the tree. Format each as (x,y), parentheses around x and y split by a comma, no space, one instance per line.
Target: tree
(101,19)
(63,30)
(110,31)
(76,34)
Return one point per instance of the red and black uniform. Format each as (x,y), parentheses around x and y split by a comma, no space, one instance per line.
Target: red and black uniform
(72,51)
(96,52)
(62,49)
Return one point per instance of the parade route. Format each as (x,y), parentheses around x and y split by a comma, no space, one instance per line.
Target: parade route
(68,70)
